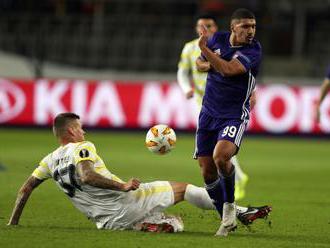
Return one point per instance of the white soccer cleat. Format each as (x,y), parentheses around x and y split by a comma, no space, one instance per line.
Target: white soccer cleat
(228,223)
(160,223)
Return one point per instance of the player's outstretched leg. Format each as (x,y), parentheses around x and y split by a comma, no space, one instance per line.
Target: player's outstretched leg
(241,179)
(198,197)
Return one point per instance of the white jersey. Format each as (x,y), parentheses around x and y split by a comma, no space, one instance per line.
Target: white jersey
(107,208)
(187,63)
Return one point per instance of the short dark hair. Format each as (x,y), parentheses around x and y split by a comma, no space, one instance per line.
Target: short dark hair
(61,121)
(205,16)
(242,14)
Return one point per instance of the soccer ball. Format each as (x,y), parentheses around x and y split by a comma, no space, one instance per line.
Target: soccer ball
(160,139)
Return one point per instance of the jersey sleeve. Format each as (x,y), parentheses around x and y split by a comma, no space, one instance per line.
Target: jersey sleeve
(184,68)
(249,57)
(42,172)
(85,151)
(184,62)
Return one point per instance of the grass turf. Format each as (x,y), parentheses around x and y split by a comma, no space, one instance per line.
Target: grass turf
(290,174)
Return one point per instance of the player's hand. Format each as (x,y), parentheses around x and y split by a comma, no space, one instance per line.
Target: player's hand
(203,66)
(253,100)
(190,94)
(132,184)
(203,37)
(318,115)
(317,112)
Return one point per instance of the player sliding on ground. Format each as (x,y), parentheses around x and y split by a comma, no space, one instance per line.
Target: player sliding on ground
(104,198)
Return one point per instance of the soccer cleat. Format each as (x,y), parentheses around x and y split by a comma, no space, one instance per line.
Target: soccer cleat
(157,228)
(161,224)
(228,223)
(253,213)
(240,187)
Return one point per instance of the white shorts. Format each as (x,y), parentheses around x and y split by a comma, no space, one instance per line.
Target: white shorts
(150,199)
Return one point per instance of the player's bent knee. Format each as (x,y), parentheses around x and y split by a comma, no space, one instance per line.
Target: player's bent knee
(179,190)
(220,160)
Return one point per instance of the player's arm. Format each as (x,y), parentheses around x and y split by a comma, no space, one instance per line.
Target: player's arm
(202,65)
(325,87)
(226,68)
(22,197)
(89,176)
(253,99)
(184,68)
(184,82)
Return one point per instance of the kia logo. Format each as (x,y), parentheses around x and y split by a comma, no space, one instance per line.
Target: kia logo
(12,100)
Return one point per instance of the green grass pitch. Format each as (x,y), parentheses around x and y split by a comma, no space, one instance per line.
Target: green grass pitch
(293,175)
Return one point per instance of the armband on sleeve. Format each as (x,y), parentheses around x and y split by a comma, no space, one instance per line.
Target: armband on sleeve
(85,151)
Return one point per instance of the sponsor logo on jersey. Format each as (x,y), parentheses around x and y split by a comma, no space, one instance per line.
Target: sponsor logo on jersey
(217,51)
(84,153)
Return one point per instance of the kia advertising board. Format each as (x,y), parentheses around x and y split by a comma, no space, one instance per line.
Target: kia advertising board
(280,109)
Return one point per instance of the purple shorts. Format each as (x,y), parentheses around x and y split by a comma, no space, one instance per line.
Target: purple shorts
(210,130)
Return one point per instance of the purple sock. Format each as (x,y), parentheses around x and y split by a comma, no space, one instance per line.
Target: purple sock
(228,182)
(215,191)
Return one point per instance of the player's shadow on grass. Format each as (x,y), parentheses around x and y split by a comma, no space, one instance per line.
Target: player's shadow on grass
(2,167)
(196,234)
(62,228)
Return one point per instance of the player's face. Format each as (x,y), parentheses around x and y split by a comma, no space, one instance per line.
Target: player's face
(76,131)
(244,30)
(209,24)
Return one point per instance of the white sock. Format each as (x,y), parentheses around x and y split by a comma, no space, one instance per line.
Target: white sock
(198,197)
(238,171)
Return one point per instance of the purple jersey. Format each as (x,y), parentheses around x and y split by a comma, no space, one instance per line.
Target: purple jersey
(327,75)
(228,97)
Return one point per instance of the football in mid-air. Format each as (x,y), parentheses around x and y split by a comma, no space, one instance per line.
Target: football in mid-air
(160,139)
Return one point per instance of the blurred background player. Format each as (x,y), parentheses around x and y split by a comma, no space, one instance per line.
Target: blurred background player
(235,58)
(106,199)
(325,87)
(193,80)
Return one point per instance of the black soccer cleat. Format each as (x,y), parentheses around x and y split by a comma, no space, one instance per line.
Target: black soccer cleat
(253,213)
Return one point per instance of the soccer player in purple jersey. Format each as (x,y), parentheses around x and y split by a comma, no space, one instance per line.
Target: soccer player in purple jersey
(325,87)
(235,58)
